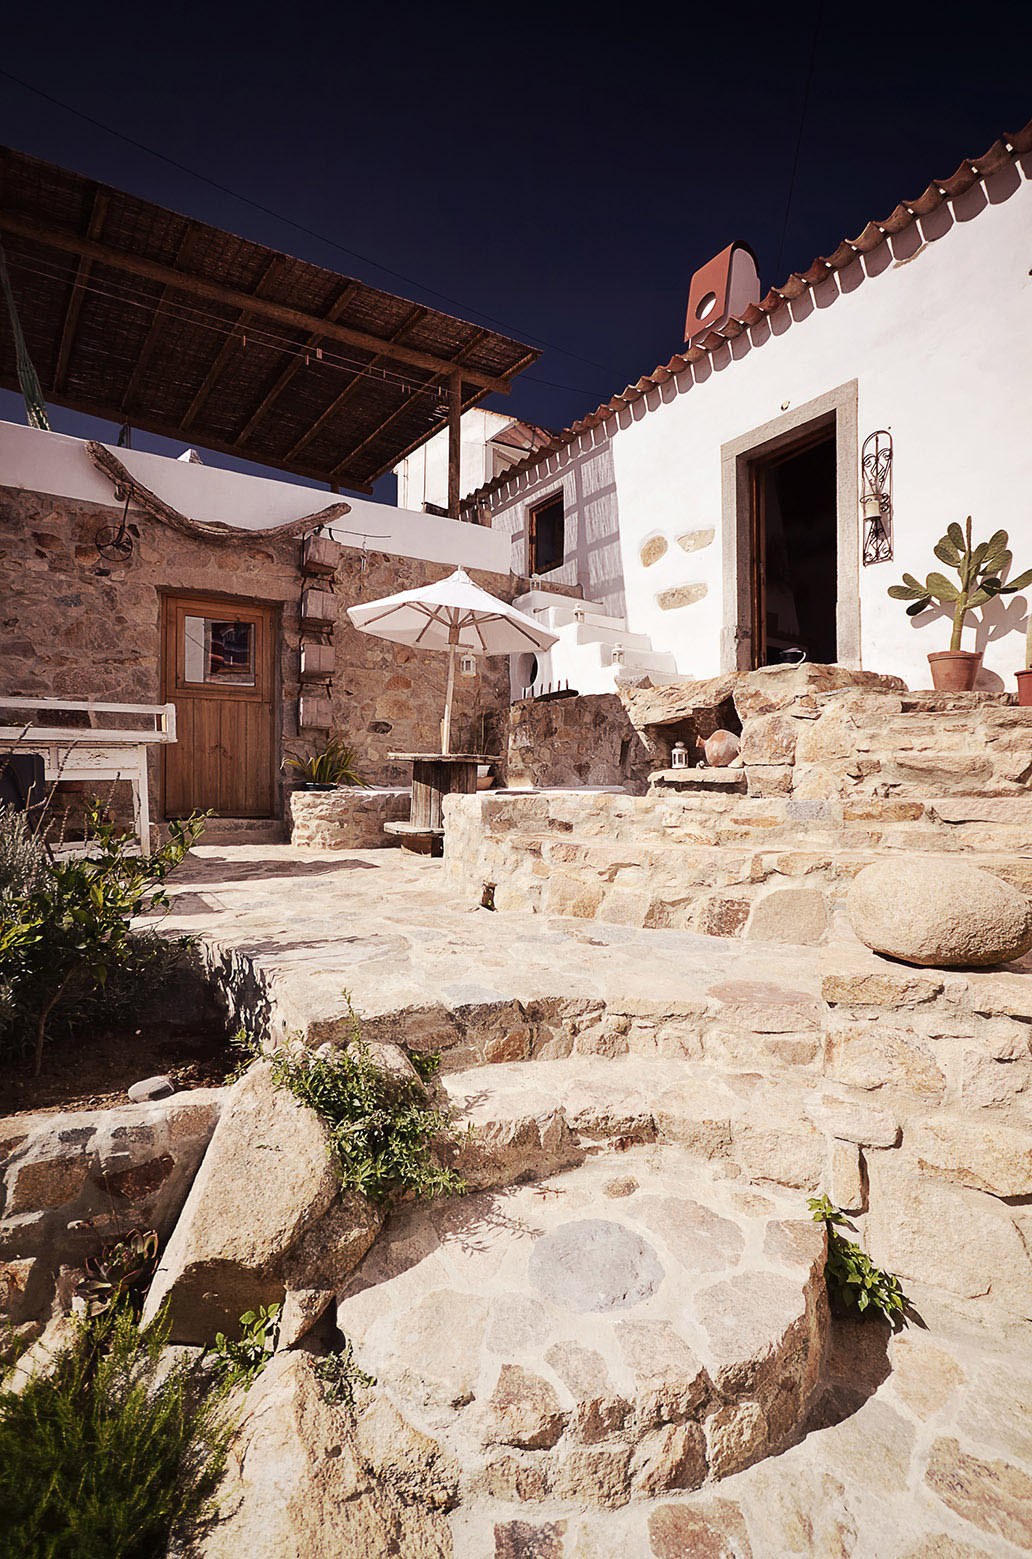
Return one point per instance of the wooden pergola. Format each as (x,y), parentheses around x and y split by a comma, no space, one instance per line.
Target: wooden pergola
(141,316)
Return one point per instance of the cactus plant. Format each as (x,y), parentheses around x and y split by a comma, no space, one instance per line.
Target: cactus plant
(980,569)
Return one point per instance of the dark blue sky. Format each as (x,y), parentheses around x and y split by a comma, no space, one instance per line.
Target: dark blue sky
(558,172)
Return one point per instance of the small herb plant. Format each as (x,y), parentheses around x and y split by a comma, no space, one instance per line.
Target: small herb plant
(339,1375)
(335,764)
(243,1359)
(980,569)
(852,1278)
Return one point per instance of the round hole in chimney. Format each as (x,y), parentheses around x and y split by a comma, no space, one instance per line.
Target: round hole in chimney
(706,305)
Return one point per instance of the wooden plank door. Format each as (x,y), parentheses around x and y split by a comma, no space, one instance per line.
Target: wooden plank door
(218,669)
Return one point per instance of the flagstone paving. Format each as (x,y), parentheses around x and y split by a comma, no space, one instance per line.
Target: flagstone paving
(632,1199)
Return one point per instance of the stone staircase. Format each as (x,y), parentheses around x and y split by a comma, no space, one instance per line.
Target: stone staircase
(594,648)
(829,783)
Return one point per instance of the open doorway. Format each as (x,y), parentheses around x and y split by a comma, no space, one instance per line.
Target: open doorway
(794,552)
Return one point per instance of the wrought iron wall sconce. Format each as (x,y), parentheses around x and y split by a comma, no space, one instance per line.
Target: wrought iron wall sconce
(876,496)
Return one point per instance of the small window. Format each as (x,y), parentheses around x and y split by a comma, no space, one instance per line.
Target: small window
(547,536)
(216,651)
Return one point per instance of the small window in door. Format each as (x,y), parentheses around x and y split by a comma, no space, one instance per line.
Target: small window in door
(547,536)
(218,652)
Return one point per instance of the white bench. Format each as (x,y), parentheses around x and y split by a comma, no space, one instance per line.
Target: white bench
(92,752)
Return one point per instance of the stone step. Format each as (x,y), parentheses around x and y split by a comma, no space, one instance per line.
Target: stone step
(631,1326)
(240,830)
(526,1120)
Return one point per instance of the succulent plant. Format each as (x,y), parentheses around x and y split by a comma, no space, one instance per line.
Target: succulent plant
(980,569)
(122,1271)
(335,764)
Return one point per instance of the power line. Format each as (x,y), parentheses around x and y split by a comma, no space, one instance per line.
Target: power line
(799,136)
(298,226)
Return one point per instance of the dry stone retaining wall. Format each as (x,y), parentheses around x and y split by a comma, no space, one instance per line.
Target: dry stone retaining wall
(73,1181)
(351,818)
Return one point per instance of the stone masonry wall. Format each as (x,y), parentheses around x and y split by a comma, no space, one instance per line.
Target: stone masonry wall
(615,738)
(72,1182)
(585,740)
(75,625)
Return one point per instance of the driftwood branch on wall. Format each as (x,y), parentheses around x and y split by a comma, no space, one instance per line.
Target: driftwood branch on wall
(219,535)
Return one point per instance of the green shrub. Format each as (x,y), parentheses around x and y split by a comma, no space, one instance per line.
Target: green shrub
(383,1129)
(852,1278)
(67,933)
(105,1459)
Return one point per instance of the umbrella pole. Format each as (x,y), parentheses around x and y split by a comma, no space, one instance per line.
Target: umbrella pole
(446,722)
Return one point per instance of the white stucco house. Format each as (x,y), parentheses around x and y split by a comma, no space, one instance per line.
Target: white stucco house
(714,512)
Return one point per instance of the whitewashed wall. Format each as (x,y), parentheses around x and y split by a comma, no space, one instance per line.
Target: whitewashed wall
(936,327)
(594,545)
(423,475)
(55,463)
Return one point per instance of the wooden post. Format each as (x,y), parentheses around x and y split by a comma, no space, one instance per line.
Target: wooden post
(449,696)
(454,443)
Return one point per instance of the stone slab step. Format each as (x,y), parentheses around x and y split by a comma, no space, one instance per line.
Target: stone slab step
(634,1325)
(244,830)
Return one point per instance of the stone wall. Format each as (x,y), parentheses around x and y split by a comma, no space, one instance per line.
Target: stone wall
(76,625)
(615,738)
(584,740)
(351,818)
(72,1182)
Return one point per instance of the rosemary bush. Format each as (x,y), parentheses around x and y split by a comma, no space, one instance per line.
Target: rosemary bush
(105,1458)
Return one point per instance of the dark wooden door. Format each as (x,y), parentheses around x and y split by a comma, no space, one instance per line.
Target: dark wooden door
(218,670)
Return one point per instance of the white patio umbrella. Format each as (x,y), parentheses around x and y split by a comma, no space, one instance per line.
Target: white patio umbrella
(453,615)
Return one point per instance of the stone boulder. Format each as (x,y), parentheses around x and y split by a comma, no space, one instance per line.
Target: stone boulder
(296,1484)
(941,913)
(246,1233)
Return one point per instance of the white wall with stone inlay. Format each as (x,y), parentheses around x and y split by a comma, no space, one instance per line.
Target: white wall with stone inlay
(935,327)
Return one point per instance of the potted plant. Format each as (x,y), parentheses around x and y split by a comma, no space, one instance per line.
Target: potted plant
(1025,677)
(332,766)
(954,670)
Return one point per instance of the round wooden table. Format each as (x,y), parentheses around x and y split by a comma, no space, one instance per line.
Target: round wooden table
(434,776)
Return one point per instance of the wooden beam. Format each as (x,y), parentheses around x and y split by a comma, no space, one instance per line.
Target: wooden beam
(454,443)
(283,379)
(228,349)
(231,297)
(78,293)
(340,400)
(357,449)
(150,424)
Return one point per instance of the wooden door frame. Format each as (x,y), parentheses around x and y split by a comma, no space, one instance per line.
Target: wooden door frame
(740,458)
(169,677)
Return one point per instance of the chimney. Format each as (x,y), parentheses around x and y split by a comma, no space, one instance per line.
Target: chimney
(722,289)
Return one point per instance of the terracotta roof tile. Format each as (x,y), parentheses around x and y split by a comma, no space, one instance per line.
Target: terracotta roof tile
(970,172)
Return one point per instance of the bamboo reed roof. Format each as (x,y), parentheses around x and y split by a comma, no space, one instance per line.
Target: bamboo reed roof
(138,314)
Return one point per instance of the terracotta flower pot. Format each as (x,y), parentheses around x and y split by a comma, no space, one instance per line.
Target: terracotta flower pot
(1025,688)
(954,671)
